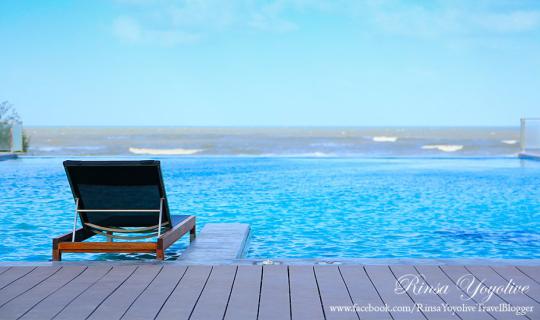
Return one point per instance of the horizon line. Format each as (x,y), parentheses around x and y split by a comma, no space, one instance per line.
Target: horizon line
(272,126)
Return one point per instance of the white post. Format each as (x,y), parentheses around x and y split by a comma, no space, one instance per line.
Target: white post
(16,137)
(522,135)
(75,219)
(160,217)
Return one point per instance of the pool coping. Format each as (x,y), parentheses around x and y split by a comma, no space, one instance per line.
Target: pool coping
(277,261)
(529,155)
(7,156)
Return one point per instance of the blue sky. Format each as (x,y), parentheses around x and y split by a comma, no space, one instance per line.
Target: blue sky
(271,63)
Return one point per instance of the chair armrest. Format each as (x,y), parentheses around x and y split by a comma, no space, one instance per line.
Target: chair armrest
(80,235)
(176,232)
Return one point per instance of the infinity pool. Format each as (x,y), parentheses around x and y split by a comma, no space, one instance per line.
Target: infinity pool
(309,207)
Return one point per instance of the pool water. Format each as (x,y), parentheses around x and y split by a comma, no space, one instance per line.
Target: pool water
(309,207)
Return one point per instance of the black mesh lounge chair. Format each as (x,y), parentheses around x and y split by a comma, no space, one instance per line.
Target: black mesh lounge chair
(122,200)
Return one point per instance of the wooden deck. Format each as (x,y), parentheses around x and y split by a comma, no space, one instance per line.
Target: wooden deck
(217,242)
(170,291)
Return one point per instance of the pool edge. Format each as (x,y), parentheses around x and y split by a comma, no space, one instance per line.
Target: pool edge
(349,261)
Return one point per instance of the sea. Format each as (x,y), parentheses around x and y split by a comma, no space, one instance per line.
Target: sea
(331,193)
(275,141)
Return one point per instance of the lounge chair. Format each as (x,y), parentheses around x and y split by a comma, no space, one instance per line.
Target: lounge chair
(122,200)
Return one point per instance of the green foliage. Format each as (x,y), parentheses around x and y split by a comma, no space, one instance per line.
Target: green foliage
(4,136)
(8,116)
(25,141)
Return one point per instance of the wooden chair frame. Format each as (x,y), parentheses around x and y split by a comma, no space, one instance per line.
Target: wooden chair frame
(74,241)
(65,244)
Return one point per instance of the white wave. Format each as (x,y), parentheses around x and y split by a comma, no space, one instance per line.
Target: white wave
(509,141)
(315,154)
(86,148)
(328,144)
(385,139)
(178,151)
(318,154)
(70,148)
(46,149)
(444,147)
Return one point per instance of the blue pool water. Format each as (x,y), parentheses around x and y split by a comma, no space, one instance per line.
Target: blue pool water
(310,207)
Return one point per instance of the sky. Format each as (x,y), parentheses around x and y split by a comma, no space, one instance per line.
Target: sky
(271,63)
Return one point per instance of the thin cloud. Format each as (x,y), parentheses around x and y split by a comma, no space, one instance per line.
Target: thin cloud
(270,23)
(180,22)
(269,17)
(517,21)
(128,29)
(172,22)
(442,20)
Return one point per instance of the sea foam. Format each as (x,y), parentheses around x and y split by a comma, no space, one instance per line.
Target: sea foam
(169,152)
(384,139)
(444,147)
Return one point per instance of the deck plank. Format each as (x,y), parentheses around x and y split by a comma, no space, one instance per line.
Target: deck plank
(182,300)
(494,279)
(454,296)
(305,299)
(510,273)
(428,300)
(54,303)
(456,272)
(363,293)
(274,302)
(148,304)
(82,306)
(333,292)
(531,272)
(215,296)
(244,300)
(117,303)
(3,269)
(23,303)
(13,274)
(385,283)
(25,283)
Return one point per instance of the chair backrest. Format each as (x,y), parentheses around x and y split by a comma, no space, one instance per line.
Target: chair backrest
(118,185)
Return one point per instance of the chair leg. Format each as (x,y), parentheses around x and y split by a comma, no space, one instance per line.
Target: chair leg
(192,233)
(57,254)
(160,254)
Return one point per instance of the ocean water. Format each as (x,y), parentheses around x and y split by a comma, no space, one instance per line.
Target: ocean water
(318,142)
(309,207)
